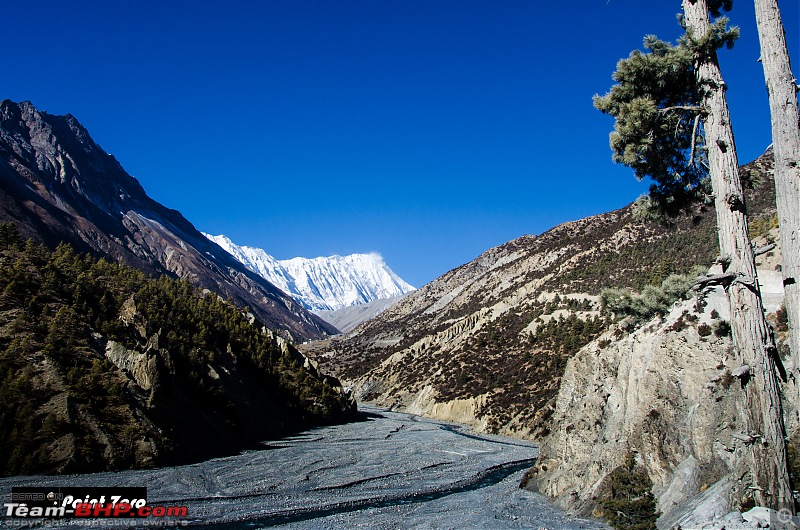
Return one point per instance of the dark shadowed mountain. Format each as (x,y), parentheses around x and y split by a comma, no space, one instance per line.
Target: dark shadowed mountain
(104,368)
(57,184)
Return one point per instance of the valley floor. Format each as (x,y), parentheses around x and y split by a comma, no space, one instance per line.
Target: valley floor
(389,470)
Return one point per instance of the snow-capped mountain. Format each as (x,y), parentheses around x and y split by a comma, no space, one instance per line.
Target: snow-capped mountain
(322,284)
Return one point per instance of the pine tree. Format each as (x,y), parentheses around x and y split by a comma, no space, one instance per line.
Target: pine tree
(673,125)
(782,88)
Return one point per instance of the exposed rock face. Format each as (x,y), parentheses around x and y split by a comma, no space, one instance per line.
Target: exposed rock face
(57,185)
(666,391)
(663,391)
(140,365)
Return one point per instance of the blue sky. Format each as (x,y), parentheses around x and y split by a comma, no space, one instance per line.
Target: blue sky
(425,130)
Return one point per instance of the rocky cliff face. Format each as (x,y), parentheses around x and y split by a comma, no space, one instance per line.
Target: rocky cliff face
(665,391)
(57,184)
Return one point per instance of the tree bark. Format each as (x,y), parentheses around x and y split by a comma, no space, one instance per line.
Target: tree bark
(782,89)
(761,469)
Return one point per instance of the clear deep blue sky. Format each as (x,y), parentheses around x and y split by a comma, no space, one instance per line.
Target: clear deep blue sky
(425,130)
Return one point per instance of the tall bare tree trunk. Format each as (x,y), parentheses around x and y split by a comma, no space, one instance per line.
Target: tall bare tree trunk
(782,88)
(762,470)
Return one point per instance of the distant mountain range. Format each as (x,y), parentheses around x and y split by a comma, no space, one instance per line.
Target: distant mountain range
(57,184)
(325,283)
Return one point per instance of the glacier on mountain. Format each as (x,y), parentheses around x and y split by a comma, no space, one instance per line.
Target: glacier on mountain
(324,283)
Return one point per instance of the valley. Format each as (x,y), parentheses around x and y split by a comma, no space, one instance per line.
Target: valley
(570,338)
(210,295)
(586,338)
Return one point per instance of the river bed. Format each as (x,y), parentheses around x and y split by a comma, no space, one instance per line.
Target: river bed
(388,471)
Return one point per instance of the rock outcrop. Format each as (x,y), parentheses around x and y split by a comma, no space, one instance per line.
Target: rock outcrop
(666,391)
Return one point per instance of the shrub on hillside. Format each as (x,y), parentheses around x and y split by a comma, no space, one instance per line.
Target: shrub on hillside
(629,503)
(651,302)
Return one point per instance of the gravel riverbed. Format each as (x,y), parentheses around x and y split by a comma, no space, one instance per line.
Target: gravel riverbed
(389,471)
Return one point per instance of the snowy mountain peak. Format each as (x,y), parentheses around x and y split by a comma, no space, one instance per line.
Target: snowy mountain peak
(324,283)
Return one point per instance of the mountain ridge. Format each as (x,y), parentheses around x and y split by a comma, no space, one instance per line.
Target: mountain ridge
(348,318)
(323,283)
(57,184)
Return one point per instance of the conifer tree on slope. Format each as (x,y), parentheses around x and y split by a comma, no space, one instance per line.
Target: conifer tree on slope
(782,89)
(673,125)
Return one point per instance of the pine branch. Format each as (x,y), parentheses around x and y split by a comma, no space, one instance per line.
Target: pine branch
(691,108)
(763,250)
(715,279)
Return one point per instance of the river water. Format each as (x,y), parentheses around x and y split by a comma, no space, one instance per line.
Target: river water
(388,471)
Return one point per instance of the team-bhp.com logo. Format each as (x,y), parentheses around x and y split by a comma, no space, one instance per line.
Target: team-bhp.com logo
(77,502)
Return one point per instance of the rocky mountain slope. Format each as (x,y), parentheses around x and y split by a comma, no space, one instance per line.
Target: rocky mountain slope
(488,342)
(57,184)
(515,342)
(324,283)
(103,368)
